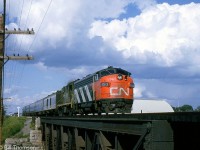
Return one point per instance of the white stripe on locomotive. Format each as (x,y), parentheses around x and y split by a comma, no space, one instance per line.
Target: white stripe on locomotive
(77,96)
(88,93)
(82,94)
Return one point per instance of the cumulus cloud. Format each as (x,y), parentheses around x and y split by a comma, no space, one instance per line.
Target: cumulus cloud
(168,33)
(64,31)
(13,89)
(138,91)
(182,91)
(145,3)
(162,34)
(72,19)
(40,66)
(142,90)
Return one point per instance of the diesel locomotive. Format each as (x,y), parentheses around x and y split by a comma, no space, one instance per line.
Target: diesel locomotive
(109,90)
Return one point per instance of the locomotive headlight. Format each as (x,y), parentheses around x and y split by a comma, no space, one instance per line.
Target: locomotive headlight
(119,77)
(105,84)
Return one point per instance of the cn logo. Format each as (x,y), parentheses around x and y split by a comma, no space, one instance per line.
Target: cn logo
(117,91)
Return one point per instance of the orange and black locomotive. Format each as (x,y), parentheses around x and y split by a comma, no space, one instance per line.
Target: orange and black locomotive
(108,90)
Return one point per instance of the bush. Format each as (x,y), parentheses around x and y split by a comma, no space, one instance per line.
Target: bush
(12,125)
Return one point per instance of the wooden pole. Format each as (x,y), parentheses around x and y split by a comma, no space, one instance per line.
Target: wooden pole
(2,49)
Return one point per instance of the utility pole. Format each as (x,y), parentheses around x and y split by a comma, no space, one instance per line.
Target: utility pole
(3,32)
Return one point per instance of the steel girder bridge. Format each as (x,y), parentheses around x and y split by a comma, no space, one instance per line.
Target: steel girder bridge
(160,131)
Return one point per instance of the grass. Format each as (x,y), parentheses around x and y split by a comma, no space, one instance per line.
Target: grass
(20,135)
(12,125)
(32,125)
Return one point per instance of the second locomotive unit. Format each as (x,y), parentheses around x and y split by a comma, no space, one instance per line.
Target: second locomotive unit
(105,91)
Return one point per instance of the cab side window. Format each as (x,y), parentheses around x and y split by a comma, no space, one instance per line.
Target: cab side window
(96,77)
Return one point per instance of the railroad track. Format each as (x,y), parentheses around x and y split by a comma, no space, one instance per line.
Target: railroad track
(171,117)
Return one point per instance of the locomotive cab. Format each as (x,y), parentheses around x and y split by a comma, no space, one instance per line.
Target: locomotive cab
(115,90)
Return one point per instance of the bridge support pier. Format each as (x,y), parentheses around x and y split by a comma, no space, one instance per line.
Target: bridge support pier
(47,136)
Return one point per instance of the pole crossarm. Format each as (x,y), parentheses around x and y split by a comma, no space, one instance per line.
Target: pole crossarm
(16,57)
(19,31)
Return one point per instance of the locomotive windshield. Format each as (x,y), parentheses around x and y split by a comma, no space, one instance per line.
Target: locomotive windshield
(121,71)
(107,72)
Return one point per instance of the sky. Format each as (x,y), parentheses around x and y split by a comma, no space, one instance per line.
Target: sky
(156,40)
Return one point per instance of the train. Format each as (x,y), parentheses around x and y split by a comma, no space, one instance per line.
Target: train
(110,90)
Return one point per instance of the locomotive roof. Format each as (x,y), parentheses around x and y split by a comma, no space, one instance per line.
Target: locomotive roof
(109,68)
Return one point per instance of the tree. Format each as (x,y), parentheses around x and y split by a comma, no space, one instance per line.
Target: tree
(186,108)
(176,109)
(198,109)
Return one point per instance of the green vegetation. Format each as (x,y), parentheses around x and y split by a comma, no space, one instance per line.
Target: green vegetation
(20,135)
(198,109)
(186,108)
(32,125)
(12,125)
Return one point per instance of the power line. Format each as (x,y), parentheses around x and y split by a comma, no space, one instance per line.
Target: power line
(19,75)
(40,25)
(21,13)
(26,22)
(8,11)
(14,66)
(28,13)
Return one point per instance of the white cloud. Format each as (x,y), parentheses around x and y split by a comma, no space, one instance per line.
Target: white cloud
(170,33)
(65,20)
(141,91)
(138,91)
(7,91)
(13,89)
(41,66)
(145,3)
